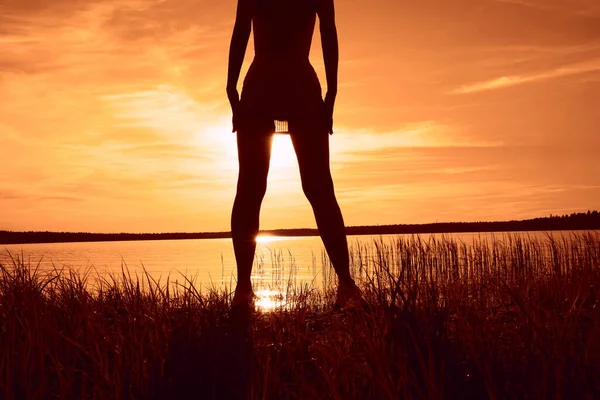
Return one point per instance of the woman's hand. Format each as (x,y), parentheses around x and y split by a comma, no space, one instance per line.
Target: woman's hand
(234,101)
(237,49)
(329,39)
(329,103)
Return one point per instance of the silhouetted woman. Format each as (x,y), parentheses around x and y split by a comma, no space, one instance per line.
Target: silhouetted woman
(282,85)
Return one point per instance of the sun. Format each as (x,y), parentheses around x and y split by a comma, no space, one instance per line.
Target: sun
(282,153)
(283,156)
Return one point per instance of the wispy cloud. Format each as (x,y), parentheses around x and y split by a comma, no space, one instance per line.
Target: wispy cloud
(508,81)
(352,145)
(583,8)
(163,108)
(531,4)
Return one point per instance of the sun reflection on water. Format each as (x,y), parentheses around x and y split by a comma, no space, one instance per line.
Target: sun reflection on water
(268,300)
(268,238)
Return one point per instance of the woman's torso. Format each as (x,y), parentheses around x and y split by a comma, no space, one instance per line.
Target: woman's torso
(283,28)
(281,82)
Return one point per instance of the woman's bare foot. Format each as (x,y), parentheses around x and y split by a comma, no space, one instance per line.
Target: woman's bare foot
(243,298)
(349,296)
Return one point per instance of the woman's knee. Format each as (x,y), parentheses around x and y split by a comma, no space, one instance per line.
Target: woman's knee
(251,190)
(318,190)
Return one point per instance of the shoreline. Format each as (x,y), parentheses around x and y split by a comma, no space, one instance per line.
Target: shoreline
(227,235)
(589,221)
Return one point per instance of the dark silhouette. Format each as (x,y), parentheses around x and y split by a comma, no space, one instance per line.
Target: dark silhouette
(281,85)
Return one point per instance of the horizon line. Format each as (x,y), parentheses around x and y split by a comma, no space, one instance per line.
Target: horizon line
(585,213)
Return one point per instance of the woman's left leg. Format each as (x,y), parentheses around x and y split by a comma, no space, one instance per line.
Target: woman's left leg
(312,152)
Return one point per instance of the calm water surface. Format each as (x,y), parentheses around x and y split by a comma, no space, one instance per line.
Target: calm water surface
(210,262)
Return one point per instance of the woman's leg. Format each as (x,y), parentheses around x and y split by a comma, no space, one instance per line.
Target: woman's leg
(313,158)
(254,154)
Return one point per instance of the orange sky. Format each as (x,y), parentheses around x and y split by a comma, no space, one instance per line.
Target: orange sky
(113,114)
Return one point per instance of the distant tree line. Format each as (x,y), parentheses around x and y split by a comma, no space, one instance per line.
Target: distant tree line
(575,221)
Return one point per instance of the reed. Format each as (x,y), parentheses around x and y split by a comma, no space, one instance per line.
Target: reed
(511,317)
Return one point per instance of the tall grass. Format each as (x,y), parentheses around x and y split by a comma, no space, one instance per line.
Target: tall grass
(514,317)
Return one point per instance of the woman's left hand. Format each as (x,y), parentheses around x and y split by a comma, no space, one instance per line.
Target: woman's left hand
(329,103)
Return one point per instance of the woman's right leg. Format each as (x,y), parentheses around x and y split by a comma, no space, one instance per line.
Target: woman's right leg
(254,154)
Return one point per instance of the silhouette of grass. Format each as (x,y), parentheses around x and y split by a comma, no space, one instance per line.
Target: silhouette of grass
(515,317)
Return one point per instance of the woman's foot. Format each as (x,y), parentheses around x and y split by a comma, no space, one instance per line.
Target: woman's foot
(243,298)
(349,296)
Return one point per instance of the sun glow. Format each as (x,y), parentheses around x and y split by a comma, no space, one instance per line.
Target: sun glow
(267,238)
(282,153)
(283,156)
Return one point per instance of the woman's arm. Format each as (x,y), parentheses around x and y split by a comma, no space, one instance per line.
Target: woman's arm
(329,40)
(237,50)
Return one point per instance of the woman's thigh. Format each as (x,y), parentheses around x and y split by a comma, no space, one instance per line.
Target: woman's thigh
(254,155)
(312,151)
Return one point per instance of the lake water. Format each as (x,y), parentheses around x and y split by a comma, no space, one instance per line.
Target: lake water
(210,262)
